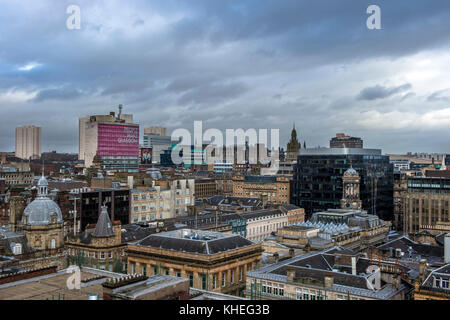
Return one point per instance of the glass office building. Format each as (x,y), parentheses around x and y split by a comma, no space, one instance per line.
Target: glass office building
(317,179)
(116,200)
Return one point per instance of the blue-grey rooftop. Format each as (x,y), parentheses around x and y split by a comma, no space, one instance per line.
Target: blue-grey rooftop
(195,241)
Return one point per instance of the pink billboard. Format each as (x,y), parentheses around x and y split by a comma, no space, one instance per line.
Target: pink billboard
(115,140)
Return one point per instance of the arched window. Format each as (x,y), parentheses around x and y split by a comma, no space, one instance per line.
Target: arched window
(53,244)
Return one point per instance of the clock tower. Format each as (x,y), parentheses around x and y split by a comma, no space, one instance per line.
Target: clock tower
(350,195)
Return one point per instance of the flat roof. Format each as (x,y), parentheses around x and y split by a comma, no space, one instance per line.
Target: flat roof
(339,151)
(152,284)
(52,286)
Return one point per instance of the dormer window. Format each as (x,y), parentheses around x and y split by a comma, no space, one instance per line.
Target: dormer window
(17,248)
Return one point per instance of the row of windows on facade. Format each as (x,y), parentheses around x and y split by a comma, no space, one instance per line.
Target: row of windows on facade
(161,205)
(113,162)
(93,254)
(266,228)
(441,283)
(280,188)
(269,194)
(151,217)
(151,196)
(213,280)
(107,199)
(277,289)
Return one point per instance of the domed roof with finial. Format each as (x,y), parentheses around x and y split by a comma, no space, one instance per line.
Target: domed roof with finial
(350,172)
(42,182)
(41,210)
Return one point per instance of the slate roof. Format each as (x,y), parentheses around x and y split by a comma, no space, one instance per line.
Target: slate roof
(104,227)
(215,200)
(9,239)
(317,265)
(440,238)
(262,213)
(166,240)
(243,201)
(442,272)
(422,250)
(134,232)
(345,279)
(289,207)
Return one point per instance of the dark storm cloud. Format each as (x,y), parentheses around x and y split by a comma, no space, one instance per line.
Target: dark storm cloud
(381,92)
(230,63)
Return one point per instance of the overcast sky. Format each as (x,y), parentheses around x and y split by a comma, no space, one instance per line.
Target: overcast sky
(233,64)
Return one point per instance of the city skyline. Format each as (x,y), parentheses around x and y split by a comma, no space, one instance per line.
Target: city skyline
(231,65)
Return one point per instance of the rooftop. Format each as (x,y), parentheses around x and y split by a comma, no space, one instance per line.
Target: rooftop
(53,286)
(339,151)
(311,269)
(414,251)
(151,285)
(195,241)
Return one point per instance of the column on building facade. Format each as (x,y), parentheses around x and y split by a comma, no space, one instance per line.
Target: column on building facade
(410,214)
(420,215)
(430,212)
(219,279)
(439,209)
(197,280)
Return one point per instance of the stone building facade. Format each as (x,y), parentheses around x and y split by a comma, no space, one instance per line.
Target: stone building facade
(272,189)
(99,247)
(293,147)
(426,205)
(157,203)
(331,274)
(42,221)
(205,188)
(17,177)
(211,261)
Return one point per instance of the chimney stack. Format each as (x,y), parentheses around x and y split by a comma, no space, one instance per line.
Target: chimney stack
(276,257)
(422,266)
(290,275)
(447,248)
(291,252)
(354,265)
(329,281)
(396,282)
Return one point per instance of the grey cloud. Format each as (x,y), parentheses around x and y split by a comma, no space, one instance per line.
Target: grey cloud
(439,96)
(213,93)
(381,92)
(57,94)
(222,61)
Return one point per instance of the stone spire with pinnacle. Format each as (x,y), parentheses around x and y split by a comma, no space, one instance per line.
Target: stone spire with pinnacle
(293,146)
